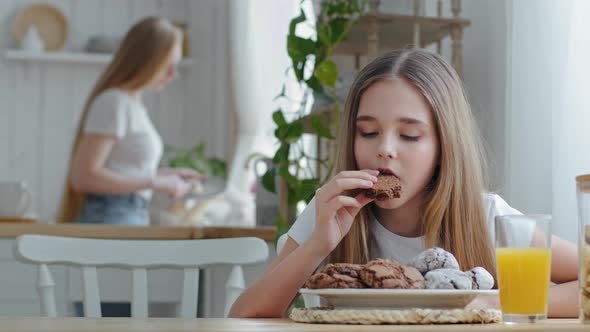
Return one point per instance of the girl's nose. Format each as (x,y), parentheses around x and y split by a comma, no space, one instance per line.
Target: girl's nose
(387,150)
(386,155)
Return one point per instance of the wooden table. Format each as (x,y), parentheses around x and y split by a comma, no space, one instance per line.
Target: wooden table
(8,230)
(21,324)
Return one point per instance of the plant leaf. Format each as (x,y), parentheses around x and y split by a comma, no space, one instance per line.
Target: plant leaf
(268,180)
(327,72)
(287,176)
(289,132)
(324,34)
(218,167)
(279,118)
(338,27)
(319,127)
(308,188)
(282,154)
(295,21)
(294,132)
(299,48)
(196,159)
(201,166)
(294,196)
(313,83)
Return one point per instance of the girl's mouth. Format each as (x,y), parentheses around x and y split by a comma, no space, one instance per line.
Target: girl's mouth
(387,171)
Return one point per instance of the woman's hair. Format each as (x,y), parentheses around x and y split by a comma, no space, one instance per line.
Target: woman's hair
(453,215)
(144,53)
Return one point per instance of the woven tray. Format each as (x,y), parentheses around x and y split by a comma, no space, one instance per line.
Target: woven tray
(406,316)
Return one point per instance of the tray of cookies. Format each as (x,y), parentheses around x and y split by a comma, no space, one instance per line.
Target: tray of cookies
(432,280)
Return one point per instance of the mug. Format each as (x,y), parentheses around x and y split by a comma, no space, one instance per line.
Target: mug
(15,199)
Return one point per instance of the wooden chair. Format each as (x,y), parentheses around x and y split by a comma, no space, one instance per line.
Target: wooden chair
(138,256)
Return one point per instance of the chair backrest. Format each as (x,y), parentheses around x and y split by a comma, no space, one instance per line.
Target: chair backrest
(138,256)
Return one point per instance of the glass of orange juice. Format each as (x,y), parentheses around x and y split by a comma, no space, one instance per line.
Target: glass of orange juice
(523,261)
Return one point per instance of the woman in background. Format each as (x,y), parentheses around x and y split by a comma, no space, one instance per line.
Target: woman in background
(114,165)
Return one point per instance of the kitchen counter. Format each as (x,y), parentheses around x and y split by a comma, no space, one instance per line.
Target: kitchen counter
(11,230)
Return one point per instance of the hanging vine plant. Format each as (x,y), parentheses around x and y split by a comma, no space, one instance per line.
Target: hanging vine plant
(315,71)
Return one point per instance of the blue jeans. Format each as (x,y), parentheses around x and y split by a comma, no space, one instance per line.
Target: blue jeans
(125,210)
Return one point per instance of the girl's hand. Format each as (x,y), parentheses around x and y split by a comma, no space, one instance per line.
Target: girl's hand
(335,212)
(173,185)
(185,173)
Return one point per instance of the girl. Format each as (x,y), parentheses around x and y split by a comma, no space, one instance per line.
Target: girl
(406,114)
(117,150)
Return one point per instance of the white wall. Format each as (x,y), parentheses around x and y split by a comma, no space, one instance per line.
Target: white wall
(40,102)
(544,95)
(485,52)
(529,146)
(484,74)
(515,62)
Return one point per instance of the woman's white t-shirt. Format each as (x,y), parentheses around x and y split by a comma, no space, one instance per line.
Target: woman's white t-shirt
(138,146)
(385,244)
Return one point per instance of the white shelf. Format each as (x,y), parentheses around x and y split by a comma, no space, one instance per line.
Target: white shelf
(71,57)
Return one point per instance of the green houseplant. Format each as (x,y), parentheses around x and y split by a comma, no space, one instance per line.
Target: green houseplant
(194,158)
(316,72)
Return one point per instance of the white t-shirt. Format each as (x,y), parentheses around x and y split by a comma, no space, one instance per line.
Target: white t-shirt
(138,146)
(385,244)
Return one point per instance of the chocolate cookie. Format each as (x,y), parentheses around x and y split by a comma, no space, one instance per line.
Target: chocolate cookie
(383,273)
(386,188)
(339,275)
(414,277)
(351,270)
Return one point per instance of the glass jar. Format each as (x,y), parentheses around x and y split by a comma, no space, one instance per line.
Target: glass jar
(583,193)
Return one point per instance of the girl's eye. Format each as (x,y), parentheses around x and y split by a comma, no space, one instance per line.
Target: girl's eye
(410,138)
(368,134)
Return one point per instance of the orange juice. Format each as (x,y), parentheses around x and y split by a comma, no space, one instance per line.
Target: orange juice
(523,278)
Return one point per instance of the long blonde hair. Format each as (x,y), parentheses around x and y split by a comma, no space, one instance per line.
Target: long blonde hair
(453,215)
(144,53)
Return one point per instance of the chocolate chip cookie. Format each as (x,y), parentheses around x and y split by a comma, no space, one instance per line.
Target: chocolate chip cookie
(383,273)
(340,275)
(386,188)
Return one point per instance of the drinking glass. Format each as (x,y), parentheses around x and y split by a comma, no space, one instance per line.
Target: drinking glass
(523,261)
